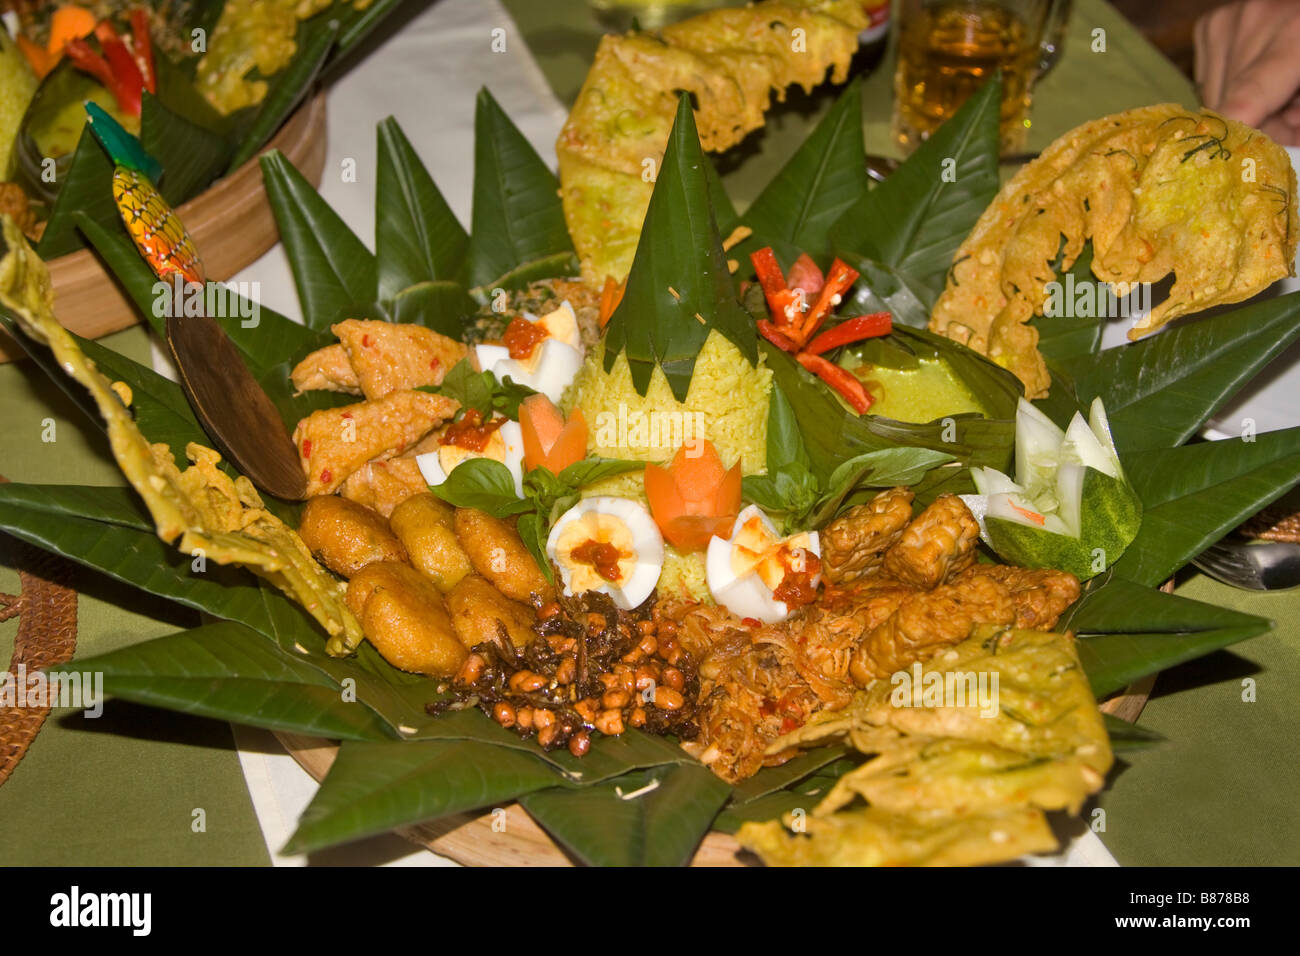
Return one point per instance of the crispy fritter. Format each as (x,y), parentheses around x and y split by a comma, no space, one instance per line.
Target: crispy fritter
(326,369)
(730,60)
(939,543)
(334,442)
(946,780)
(499,554)
(1157,190)
(855,542)
(406,619)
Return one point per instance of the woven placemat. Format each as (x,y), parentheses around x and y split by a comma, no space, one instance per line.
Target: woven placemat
(46,609)
(1274,524)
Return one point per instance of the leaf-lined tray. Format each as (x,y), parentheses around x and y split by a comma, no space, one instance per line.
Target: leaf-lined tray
(231,222)
(486,838)
(470,838)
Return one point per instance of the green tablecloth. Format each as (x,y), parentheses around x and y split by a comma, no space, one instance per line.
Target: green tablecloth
(122,790)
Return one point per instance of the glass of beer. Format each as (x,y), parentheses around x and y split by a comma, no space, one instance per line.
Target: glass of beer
(948,49)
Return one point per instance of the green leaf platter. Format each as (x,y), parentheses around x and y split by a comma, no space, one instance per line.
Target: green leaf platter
(258,659)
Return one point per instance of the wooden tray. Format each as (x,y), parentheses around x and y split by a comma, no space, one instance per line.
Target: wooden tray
(231,223)
(469,838)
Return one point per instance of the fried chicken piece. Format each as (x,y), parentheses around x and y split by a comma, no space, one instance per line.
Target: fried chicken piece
(1039,596)
(391,356)
(335,442)
(928,621)
(855,542)
(326,369)
(937,545)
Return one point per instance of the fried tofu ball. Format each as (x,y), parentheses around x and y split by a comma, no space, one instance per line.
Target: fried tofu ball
(405,618)
(498,553)
(426,525)
(477,607)
(346,536)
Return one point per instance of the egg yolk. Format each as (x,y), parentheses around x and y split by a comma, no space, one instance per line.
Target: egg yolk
(785,566)
(596,550)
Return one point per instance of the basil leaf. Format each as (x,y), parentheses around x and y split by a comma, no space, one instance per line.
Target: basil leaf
(484,484)
(532,529)
(481,391)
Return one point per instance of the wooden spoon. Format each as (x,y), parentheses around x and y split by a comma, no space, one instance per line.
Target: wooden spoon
(232,407)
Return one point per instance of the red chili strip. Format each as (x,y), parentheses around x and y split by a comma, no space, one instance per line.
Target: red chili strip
(142,47)
(852,330)
(843,381)
(777,337)
(838,281)
(783,303)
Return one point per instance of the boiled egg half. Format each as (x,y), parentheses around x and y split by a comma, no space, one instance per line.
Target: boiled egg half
(745,570)
(553,361)
(610,545)
(504,444)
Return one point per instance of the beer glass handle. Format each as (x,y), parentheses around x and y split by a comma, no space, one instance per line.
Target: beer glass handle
(1053,37)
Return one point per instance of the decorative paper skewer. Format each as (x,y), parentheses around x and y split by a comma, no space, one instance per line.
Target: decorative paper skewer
(152,224)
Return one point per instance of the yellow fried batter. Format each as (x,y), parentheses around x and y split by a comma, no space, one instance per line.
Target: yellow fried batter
(962,777)
(1157,190)
(730,60)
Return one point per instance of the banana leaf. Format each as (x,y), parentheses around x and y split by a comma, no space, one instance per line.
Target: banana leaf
(833,433)
(332,268)
(192,156)
(417,237)
(61,522)
(678,288)
(1061,338)
(442,306)
(822,180)
(653,817)
(1161,391)
(1127,631)
(87,191)
(375,787)
(1194,495)
(773,779)
(913,222)
(517,216)
(229,672)
(803,794)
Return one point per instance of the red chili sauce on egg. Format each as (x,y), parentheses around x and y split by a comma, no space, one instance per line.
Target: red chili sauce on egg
(799,585)
(601,555)
(522,337)
(470,433)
